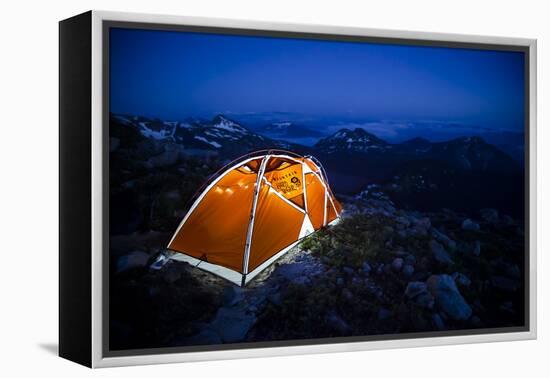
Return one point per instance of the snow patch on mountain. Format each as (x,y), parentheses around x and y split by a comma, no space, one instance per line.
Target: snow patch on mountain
(212,143)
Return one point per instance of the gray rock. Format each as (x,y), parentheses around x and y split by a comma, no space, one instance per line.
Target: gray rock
(397,264)
(415,288)
(232,324)
(135,259)
(461,279)
(408,270)
(418,292)
(448,297)
(470,225)
(440,254)
(425,300)
(489,215)
(340,281)
(443,239)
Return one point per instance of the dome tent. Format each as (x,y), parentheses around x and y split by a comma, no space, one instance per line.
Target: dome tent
(252,212)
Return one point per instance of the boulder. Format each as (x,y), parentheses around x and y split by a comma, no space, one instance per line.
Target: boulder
(470,225)
(232,324)
(440,254)
(448,297)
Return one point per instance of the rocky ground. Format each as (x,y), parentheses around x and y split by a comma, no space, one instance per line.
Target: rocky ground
(382,270)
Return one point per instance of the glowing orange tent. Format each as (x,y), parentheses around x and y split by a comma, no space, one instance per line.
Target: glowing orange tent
(252,212)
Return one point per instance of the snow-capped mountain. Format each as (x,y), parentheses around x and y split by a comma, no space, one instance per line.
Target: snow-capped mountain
(219,134)
(357,140)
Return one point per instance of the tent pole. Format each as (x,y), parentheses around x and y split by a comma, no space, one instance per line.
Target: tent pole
(246,256)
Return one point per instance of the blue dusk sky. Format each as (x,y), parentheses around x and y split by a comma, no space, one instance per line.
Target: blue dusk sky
(387,89)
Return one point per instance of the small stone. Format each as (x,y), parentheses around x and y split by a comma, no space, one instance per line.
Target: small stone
(440,254)
(415,288)
(470,225)
(340,281)
(397,264)
(408,270)
(444,239)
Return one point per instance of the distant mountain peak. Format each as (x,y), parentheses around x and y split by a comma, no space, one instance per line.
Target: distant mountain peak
(356,140)
(222,122)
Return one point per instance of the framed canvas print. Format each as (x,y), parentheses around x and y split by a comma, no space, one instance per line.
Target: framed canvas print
(234,189)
